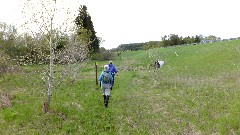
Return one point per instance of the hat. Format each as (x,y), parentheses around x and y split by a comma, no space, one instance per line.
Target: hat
(110,62)
(106,67)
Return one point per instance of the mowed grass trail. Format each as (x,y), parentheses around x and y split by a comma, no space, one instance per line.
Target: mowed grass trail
(196,92)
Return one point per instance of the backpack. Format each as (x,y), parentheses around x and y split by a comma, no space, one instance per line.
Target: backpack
(106,77)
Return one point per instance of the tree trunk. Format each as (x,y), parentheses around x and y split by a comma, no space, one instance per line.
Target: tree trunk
(50,81)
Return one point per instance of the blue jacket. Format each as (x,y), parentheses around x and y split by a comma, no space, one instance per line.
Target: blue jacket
(101,77)
(112,69)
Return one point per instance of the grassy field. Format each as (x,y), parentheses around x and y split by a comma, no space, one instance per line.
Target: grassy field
(196,92)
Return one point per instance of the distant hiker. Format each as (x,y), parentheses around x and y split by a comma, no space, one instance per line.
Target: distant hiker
(105,79)
(113,72)
(159,64)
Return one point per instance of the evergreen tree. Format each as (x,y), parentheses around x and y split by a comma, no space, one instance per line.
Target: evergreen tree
(197,39)
(83,21)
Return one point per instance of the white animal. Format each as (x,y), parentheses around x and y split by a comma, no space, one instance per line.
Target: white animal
(161,62)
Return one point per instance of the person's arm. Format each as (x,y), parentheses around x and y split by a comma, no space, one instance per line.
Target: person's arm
(114,70)
(100,77)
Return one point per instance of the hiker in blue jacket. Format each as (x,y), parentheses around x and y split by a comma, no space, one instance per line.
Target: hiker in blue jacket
(105,79)
(113,72)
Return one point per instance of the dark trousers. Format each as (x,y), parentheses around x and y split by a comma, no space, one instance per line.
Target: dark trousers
(112,82)
(106,98)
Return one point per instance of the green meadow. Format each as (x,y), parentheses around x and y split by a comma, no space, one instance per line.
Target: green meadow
(195,92)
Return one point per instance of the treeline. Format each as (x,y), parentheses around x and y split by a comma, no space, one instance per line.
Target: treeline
(33,48)
(25,49)
(166,41)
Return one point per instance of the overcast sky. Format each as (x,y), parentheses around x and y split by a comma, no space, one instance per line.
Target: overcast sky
(134,21)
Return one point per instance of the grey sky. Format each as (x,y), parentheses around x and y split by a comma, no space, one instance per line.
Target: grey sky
(132,21)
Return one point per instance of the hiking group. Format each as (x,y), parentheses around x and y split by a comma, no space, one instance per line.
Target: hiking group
(106,79)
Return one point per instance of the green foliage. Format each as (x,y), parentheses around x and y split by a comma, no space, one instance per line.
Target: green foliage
(26,49)
(170,40)
(103,55)
(155,44)
(188,40)
(131,47)
(5,64)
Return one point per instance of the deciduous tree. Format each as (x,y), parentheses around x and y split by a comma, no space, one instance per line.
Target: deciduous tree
(60,35)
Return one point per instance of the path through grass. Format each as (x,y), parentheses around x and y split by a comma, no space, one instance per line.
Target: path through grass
(196,92)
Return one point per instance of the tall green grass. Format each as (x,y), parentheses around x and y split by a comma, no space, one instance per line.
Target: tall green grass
(196,92)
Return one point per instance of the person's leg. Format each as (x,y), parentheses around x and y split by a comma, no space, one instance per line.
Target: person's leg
(106,101)
(104,98)
(112,82)
(107,93)
(103,92)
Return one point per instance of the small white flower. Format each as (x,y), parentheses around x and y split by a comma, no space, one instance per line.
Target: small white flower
(176,53)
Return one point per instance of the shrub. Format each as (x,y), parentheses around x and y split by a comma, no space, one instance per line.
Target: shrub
(103,56)
(4,63)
